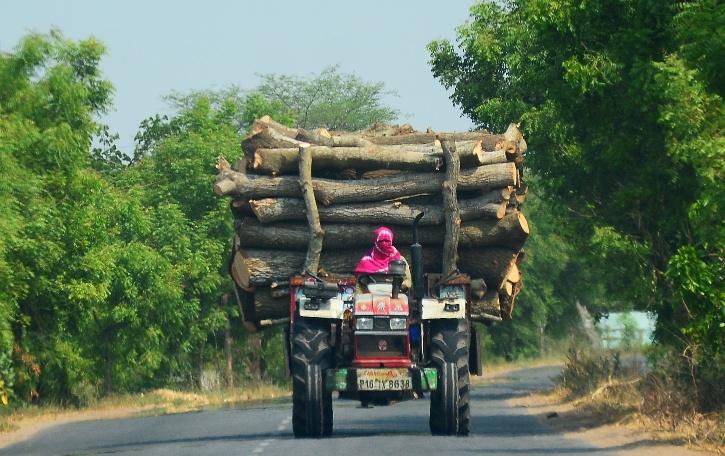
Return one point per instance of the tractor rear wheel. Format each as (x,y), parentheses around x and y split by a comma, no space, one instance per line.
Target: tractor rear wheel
(311,357)
(450,412)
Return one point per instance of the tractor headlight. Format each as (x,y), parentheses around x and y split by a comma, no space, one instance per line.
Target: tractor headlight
(364,323)
(397,324)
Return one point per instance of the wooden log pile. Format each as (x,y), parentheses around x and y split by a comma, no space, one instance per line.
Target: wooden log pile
(310,200)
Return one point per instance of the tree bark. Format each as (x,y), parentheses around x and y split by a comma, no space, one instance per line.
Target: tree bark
(480,178)
(486,305)
(452,216)
(263,267)
(269,307)
(492,264)
(387,212)
(284,161)
(425,138)
(266,136)
(410,157)
(329,191)
(228,371)
(314,247)
(511,231)
(322,137)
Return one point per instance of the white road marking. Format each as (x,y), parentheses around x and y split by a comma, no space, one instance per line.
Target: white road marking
(265,443)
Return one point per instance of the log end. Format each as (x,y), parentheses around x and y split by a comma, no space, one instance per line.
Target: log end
(222,164)
(501,210)
(224,187)
(513,134)
(523,223)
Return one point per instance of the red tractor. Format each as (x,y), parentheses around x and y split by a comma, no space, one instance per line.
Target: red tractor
(369,340)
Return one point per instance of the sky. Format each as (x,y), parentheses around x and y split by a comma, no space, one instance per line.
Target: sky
(158,47)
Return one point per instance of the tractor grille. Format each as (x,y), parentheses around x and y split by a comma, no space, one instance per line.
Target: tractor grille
(381,324)
(372,345)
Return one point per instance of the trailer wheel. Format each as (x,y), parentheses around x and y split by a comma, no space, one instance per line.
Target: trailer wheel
(311,357)
(450,412)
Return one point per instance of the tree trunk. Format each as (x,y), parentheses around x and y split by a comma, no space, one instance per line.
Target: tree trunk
(452,216)
(511,231)
(426,138)
(314,248)
(228,371)
(492,264)
(481,307)
(480,178)
(266,137)
(270,307)
(410,157)
(263,267)
(387,212)
(329,191)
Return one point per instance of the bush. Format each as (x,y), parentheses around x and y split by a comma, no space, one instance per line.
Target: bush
(584,371)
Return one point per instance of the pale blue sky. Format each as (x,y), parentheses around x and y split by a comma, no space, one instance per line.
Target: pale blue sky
(155,47)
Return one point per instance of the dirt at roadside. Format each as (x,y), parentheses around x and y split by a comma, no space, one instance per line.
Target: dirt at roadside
(27,427)
(157,402)
(623,434)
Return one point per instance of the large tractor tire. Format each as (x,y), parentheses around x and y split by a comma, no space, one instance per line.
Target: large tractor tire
(311,357)
(450,412)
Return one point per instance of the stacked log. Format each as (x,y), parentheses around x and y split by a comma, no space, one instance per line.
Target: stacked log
(310,200)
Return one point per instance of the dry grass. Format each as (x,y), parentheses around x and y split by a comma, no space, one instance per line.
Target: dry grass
(156,402)
(609,391)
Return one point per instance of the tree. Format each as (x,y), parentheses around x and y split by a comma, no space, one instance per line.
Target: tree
(88,303)
(624,116)
(332,100)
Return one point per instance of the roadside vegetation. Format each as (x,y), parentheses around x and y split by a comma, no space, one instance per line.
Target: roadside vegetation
(611,387)
(622,103)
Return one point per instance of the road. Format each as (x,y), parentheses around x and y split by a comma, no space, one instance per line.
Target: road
(498,428)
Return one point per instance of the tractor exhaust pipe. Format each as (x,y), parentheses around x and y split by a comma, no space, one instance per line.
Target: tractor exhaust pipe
(416,257)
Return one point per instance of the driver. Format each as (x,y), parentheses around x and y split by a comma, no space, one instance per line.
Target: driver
(383,252)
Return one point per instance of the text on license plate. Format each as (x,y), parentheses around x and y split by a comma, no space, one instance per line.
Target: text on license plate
(383,379)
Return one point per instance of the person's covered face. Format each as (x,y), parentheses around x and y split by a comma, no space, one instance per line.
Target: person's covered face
(384,239)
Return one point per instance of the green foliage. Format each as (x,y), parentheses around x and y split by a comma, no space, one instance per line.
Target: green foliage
(332,100)
(622,104)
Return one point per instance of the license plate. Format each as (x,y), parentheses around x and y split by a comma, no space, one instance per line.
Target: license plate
(383,380)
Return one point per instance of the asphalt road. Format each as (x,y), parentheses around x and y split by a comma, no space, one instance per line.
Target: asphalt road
(498,428)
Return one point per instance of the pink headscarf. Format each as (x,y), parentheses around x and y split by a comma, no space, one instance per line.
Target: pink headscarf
(380,255)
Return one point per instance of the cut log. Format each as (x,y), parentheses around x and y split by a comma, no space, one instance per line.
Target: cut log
(270,210)
(266,137)
(425,138)
(451,215)
(322,137)
(329,191)
(262,267)
(507,296)
(269,306)
(493,157)
(266,122)
(385,188)
(314,247)
(284,161)
(409,157)
(492,264)
(484,306)
(511,231)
